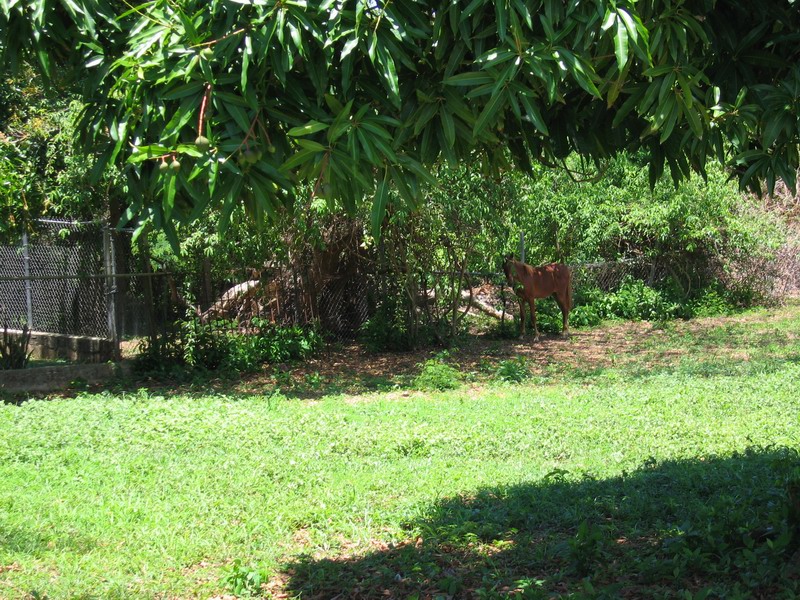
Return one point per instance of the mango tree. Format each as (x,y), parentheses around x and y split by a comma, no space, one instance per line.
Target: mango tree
(214,104)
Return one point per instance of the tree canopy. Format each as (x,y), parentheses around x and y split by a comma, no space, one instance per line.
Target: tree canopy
(210,104)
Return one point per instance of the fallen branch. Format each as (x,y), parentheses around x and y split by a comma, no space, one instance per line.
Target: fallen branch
(230,300)
(474,301)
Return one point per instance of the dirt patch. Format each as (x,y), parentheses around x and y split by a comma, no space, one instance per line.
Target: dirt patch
(645,345)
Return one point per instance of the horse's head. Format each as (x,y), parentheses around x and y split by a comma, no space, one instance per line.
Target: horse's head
(508,269)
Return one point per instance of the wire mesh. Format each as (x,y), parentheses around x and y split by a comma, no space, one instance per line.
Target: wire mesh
(13,295)
(608,276)
(53,280)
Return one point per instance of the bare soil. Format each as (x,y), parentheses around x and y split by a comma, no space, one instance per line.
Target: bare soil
(648,345)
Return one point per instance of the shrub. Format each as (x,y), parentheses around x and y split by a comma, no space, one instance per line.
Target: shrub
(14,352)
(246,580)
(587,315)
(635,300)
(162,353)
(437,375)
(514,370)
(271,344)
(221,345)
(386,330)
(206,345)
(710,302)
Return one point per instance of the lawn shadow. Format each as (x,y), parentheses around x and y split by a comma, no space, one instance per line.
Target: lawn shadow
(720,526)
(717,366)
(35,542)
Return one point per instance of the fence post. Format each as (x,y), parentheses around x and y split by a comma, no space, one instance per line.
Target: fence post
(109,268)
(522,246)
(147,281)
(26,263)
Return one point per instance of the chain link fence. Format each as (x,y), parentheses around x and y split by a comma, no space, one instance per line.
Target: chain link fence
(80,279)
(55,280)
(86,279)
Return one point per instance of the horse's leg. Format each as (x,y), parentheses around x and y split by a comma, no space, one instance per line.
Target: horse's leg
(563,304)
(567,302)
(532,302)
(521,317)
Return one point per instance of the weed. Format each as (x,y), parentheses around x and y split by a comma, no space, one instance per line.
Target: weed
(221,345)
(313,380)
(435,374)
(14,353)
(247,580)
(514,370)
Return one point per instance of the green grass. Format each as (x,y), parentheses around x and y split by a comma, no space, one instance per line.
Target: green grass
(625,481)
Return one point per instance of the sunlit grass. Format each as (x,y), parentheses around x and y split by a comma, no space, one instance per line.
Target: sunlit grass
(141,495)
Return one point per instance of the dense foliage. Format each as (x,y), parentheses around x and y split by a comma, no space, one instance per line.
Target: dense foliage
(214,105)
(41,173)
(700,248)
(222,345)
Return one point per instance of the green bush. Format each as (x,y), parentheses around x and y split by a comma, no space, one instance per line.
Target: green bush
(162,353)
(271,344)
(514,370)
(710,302)
(246,580)
(635,301)
(221,345)
(205,345)
(586,315)
(14,353)
(386,330)
(437,375)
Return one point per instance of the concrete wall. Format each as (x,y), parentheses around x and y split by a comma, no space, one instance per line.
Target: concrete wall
(47,379)
(49,346)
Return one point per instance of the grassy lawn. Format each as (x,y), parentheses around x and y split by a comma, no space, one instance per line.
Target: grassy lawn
(665,467)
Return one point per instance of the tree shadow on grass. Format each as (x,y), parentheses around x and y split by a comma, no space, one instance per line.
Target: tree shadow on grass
(695,367)
(723,527)
(35,542)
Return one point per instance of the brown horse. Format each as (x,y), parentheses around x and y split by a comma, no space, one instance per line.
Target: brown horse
(530,283)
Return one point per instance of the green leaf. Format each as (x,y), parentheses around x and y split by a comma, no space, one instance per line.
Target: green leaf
(263,194)
(609,20)
(388,73)
(471,7)
(248,50)
(501,15)
(240,116)
(143,153)
(309,128)
(470,79)
(401,184)
(188,89)
(630,24)
(694,121)
(489,112)
(621,45)
(448,126)
(671,119)
(379,206)
(299,158)
(349,46)
(168,202)
(533,113)
(189,150)
(311,145)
